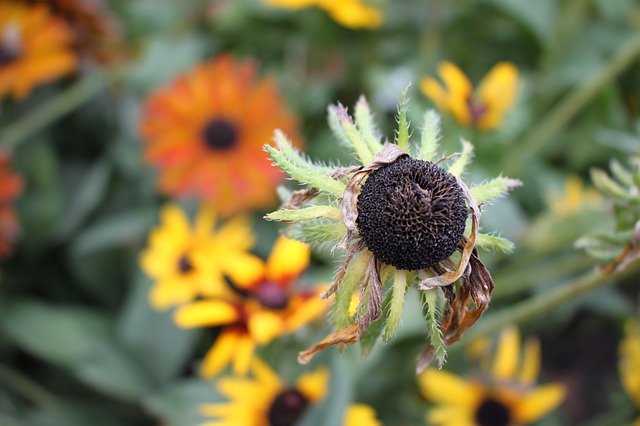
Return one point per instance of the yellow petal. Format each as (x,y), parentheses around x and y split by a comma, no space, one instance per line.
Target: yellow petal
(291,4)
(539,402)
(219,356)
(361,415)
(444,387)
(235,234)
(434,91)
(458,85)
(507,355)
(205,222)
(530,362)
(264,374)
(314,385)
(287,260)
(174,217)
(264,326)
(630,361)
(305,312)
(206,313)
(497,92)
(242,268)
(243,354)
(451,415)
(169,293)
(352,13)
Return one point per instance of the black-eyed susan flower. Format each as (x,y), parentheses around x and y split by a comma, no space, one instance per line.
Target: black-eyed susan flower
(265,400)
(191,260)
(35,48)
(10,187)
(629,365)
(403,220)
(265,306)
(485,107)
(572,198)
(503,394)
(204,133)
(353,14)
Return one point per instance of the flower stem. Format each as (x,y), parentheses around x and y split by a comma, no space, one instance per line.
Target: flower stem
(56,108)
(543,303)
(556,119)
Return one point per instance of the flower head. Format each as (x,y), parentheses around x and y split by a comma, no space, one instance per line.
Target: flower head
(264,306)
(186,261)
(10,187)
(630,363)
(349,13)
(484,108)
(573,198)
(35,48)
(401,221)
(265,400)
(502,395)
(204,132)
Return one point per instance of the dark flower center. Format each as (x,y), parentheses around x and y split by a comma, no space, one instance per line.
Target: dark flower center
(8,55)
(10,50)
(411,213)
(287,408)
(477,110)
(272,296)
(492,413)
(184,264)
(220,134)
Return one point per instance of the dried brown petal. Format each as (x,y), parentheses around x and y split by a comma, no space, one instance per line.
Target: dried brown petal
(347,335)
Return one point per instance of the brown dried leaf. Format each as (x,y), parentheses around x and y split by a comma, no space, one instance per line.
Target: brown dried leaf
(347,335)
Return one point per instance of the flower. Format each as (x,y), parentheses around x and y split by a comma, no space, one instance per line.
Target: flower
(264,400)
(187,261)
(10,187)
(630,363)
(500,396)
(35,48)
(205,131)
(484,108)
(400,220)
(265,306)
(350,13)
(573,198)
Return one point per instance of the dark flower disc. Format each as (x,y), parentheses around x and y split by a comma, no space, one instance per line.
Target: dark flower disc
(287,408)
(411,213)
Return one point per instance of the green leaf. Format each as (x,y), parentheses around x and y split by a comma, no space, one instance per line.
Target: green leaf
(366,125)
(430,136)
(396,305)
(494,243)
(306,213)
(495,188)
(463,160)
(403,133)
(178,404)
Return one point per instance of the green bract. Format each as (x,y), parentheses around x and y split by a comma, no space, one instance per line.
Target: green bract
(402,220)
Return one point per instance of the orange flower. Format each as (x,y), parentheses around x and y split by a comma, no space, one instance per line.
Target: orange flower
(10,188)
(268,307)
(205,133)
(35,47)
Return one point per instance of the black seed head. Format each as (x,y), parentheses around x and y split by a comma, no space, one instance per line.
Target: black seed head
(220,134)
(411,213)
(492,413)
(184,264)
(287,408)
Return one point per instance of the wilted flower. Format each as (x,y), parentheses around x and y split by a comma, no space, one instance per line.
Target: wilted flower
(10,187)
(188,261)
(501,395)
(264,305)
(484,108)
(400,219)
(35,48)
(630,363)
(264,400)
(349,13)
(204,132)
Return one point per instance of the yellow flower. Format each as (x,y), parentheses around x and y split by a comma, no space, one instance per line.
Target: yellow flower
(349,13)
(484,108)
(573,198)
(504,396)
(187,261)
(630,363)
(264,400)
(265,306)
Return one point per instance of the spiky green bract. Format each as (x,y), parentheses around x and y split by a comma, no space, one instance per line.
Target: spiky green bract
(397,303)
(430,136)
(307,213)
(493,189)
(295,165)
(340,314)
(494,243)
(458,166)
(366,125)
(317,232)
(433,308)
(610,187)
(403,132)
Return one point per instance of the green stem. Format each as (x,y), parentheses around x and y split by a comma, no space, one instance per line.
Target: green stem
(55,108)
(555,121)
(544,303)
(26,387)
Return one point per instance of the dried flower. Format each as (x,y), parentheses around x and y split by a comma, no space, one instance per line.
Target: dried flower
(400,219)
(484,108)
(502,395)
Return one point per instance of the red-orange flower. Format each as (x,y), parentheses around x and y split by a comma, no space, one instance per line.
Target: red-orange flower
(205,132)
(10,188)
(35,48)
